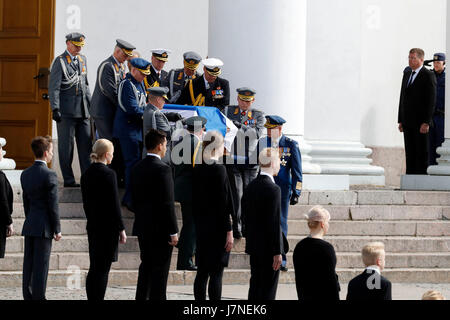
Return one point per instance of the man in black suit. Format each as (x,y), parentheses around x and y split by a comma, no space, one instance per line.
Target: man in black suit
(40,202)
(155,225)
(209,90)
(265,242)
(371,285)
(417,100)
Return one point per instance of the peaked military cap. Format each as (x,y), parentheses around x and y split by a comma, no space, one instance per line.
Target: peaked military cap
(213,66)
(161,54)
(158,92)
(193,123)
(126,47)
(191,60)
(141,64)
(76,38)
(439,57)
(274,121)
(246,94)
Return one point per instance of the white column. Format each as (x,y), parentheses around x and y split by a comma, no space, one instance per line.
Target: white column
(443,167)
(333,91)
(6,164)
(262,45)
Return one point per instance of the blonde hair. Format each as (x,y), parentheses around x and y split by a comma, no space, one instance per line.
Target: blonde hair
(100,148)
(433,295)
(316,215)
(371,252)
(267,156)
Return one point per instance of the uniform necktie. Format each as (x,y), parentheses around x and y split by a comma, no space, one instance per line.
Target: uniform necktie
(243,113)
(411,79)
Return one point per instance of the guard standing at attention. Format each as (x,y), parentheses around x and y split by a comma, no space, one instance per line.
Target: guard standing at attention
(242,169)
(128,120)
(209,90)
(437,129)
(290,178)
(178,78)
(157,74)
(104,100)
(70,100)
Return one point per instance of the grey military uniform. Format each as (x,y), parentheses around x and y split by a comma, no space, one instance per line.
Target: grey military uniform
(104,100)
(69,93)
(242,168)
(176,81)
(155,119)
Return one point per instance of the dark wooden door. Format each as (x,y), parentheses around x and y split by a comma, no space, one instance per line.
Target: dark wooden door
(26,53)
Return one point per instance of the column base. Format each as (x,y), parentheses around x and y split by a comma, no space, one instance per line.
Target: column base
(322,182)
(305,149)
(6,164)
(424,182)
(443,167)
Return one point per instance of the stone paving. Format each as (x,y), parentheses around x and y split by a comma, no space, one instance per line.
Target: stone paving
(230,292)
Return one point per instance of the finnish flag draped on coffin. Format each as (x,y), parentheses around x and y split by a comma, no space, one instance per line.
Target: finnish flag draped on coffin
(217,121)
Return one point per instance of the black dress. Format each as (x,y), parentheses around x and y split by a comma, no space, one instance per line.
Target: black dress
(315,270)
(6,208)
(212,209)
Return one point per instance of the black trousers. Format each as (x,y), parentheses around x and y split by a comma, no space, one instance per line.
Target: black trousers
(102,253)
(214,286)
(36,263)
(416,150)
(263,279)
(187,243)
(2,241)
(154,269)
(118,163)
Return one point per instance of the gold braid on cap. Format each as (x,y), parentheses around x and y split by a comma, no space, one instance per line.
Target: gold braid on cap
(191,66)
(144,71)
(128,52)
(78,43)
(246,98)
(214,72)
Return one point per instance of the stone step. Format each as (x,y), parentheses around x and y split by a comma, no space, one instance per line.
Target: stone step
(77,278)
(131,261)
(341,244)
(353,197)
(299,227)
(338,212)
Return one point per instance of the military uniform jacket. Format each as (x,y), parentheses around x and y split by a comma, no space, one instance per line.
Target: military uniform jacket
(290,175)
(69,87)
(247,137)
(132,100)
(104,100)
(176,80)
(153,80)
(155,119)
(440,94)
(218,94)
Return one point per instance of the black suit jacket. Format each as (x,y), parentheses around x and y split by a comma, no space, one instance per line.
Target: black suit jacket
(418,100)
(153,77)
(213,98)
(359,290)
(101,199)
(261,206)
(40,201)
(153,200)
(6,201)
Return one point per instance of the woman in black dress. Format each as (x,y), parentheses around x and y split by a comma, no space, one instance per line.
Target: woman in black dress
(6,208)
(315,261)
(104,218)
(213,206)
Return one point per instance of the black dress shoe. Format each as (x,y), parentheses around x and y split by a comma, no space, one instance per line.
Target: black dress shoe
(71,185)
(284,269)
(188,268)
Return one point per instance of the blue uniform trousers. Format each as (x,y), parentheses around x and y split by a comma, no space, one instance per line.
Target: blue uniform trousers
(286,193)
(132,154)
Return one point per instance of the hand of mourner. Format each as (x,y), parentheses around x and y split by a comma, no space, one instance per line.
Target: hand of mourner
(294,200)
(276,262)
(400,127)
(173,240)
(173,116)
(123,237)
(230,241)
(56,115)
(58,236)
(424,128)
(9,230)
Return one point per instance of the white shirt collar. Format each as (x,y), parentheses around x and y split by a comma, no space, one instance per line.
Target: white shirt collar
(154,155)
(268,175)
(118,63)
(418,70)
(41,161)
(374,268)
(206,83)
(71,56)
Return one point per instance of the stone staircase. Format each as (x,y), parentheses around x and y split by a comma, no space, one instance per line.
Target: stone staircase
(415,227)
